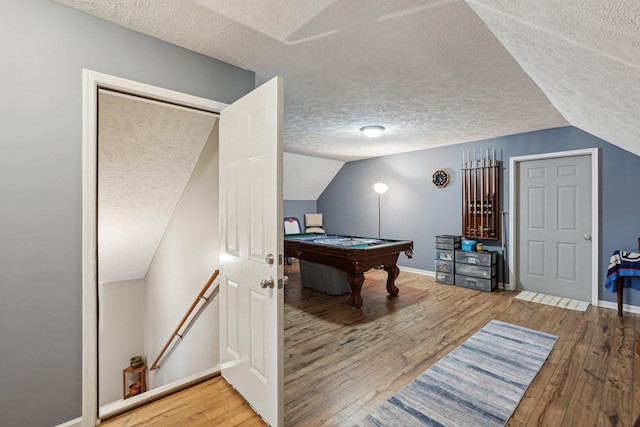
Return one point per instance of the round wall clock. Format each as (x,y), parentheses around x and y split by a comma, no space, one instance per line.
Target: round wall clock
(440,178)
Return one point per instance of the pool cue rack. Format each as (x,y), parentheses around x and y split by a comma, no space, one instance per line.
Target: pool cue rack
(480,194)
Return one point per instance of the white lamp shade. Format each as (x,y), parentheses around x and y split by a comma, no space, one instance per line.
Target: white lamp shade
(372,131)
(380,187)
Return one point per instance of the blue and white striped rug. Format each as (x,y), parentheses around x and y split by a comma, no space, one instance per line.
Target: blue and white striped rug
(479,383)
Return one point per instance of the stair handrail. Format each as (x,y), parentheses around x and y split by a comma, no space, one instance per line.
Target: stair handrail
(184,319)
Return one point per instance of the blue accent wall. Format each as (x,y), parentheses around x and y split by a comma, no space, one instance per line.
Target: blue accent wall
(413,208)
(44,48)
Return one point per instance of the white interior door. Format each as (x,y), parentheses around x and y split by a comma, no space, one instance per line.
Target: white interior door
(555,226)
(251,271)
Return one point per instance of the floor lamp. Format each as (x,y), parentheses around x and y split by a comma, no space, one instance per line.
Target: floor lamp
(380,189)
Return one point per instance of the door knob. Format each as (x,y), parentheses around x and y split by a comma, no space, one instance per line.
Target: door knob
(267,283)
(285,280)
(587,237)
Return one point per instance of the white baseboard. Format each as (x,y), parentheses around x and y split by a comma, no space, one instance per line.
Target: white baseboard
(73,423)
(433,274)
(120,405)
(614,306)
(417,271)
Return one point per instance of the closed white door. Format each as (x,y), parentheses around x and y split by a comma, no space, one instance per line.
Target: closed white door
(251,270)
(554,226)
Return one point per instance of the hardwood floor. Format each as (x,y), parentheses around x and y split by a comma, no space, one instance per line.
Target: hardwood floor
(212,403)
(342,363)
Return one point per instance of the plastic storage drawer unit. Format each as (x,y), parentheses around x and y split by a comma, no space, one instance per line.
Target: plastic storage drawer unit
(445,258)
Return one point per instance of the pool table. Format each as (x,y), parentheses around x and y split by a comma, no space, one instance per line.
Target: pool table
(352,254)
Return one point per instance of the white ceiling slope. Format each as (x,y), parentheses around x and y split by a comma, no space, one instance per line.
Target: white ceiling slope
(430,71)
(146,154)
(583,54)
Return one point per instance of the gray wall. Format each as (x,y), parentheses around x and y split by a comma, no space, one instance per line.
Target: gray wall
(45,46)
(298,208)
(413,208)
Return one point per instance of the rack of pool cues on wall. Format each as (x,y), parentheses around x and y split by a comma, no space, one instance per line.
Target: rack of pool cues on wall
(480,194)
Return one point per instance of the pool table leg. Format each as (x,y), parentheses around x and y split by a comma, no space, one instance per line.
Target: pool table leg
(355,282)
(393,271)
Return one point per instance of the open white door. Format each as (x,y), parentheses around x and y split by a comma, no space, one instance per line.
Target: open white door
(251,271)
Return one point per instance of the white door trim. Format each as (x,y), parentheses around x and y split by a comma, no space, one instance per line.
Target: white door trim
(91,81)
(595,210)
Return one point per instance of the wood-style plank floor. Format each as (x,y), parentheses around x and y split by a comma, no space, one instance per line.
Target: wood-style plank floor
(211,403)
(342,363)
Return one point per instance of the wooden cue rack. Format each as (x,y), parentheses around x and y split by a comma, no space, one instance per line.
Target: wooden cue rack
(480,195)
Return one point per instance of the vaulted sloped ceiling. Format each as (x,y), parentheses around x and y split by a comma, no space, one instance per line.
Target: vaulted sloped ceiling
(583,54)
(433,72)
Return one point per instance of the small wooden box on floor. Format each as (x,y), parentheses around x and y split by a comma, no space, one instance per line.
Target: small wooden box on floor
(445,258)
(476,270)
(136,384)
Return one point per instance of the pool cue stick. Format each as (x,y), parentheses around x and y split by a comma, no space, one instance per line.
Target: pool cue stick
(468,194)
(464,191)
(474,184)
(464,210)
(488,191)
(494,218)
(481,193)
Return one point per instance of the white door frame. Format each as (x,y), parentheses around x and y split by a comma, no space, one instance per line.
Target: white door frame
(595,210)
(91,81)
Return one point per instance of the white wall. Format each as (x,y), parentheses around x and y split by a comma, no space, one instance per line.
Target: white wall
(184,261)
(120,333)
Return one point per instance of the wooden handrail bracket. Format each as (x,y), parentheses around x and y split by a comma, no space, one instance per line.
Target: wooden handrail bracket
(176,331)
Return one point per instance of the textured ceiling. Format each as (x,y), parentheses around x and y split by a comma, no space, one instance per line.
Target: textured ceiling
(584,54)
(432,72)
(146,153)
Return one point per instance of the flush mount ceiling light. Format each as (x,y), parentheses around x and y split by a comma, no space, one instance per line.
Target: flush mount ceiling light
(372,131)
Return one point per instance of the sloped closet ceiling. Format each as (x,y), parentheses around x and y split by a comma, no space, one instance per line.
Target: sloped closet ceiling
(147,151)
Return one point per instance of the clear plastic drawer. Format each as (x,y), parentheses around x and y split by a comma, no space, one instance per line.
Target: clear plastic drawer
(442,277)
(476,270)
(444,254)
(477,283)
(477,258)
(444,266)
